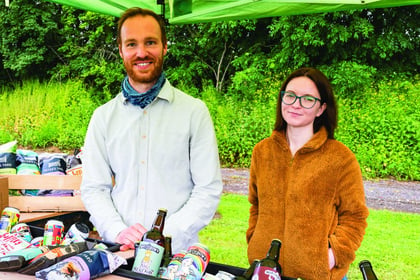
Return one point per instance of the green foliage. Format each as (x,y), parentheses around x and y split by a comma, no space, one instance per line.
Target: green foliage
(390,243)
(379,38)
(28,34)
(240,125)
(350,79)
(204,52)
(236,67)
(39,115)
(383,130)
(90,51)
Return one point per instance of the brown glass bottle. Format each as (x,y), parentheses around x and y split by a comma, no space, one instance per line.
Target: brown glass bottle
(247,275)
(269,267)
(149,252)
(167,257)
(155,234)
(367,270)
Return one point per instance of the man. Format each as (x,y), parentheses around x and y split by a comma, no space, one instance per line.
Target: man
(150,147)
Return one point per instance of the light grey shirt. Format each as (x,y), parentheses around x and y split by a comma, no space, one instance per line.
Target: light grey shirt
(162,156)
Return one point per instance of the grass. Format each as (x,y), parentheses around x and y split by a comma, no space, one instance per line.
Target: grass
(391,242)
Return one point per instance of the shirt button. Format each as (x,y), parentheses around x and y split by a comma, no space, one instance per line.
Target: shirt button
(143,136)
(142,188)
(144,112)
(143,162)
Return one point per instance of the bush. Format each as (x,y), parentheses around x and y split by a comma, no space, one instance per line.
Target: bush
(380,125)
(41,115)
(240,124)
(383,130)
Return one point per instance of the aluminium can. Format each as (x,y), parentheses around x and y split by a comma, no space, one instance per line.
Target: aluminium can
(194,263)
(77,232)
(148,258)
(23,230)
(9,217)
(37,241)
(53,232)
(174,265)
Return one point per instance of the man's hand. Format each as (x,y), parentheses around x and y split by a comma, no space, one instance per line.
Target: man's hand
(129,236)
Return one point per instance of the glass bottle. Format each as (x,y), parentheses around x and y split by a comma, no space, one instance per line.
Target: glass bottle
(269,268)
(151,248)
(247,275)
(167,257)
(367,270)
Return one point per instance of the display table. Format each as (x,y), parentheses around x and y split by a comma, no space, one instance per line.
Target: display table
(36,221)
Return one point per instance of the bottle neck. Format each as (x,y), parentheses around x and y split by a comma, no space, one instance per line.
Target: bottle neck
(274,251)
(367,271)
(159,222)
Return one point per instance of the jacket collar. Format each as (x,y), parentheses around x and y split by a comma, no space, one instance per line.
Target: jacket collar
(315,143)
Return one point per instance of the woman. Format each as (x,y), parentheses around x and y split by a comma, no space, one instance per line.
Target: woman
(306,188)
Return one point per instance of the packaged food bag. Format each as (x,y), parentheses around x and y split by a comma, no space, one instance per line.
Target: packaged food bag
(53,164)
(10,242)
(87,265)
(8,158)
(27,163)
(74,163)
(52,257)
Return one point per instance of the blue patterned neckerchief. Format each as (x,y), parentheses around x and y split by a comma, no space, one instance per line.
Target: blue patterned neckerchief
(142,99)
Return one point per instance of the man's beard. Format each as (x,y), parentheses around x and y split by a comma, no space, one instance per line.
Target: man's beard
(151,77)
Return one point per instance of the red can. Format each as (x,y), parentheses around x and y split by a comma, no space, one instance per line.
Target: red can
(53,232)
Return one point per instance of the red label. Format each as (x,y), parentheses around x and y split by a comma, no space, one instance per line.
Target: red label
(265,273)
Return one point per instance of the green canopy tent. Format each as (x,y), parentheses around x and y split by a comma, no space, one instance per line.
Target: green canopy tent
(195,11)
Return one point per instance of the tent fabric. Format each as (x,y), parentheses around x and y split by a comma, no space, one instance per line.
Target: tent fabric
(195,11)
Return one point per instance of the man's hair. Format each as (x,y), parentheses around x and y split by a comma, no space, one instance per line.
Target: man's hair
(328,117)
(132,12)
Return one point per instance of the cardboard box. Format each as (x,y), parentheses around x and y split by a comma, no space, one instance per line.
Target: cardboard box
(46,203)
(4,193)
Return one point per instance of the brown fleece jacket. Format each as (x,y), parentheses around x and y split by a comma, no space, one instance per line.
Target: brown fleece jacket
(309,201)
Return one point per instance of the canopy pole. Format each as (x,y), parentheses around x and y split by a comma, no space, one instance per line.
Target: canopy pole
(162,13)
(6,3)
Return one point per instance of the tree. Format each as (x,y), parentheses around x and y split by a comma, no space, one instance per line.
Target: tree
(200,54)
(29,38)
(90,51)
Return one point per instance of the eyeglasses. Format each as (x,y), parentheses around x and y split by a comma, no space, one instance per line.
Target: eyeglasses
(305,101)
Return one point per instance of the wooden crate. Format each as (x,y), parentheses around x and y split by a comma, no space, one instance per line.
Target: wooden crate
(46,203)
(4,193)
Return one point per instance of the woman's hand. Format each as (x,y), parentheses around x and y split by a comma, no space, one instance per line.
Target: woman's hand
(331,258)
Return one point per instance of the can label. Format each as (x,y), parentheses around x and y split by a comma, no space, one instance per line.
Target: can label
(53,233)
(173,266)
(23,231)
(9,217)
(148,258)
(194,262)
(37,241)
(78,232)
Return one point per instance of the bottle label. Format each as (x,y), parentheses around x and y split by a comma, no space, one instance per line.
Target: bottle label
(148,258)
(265,273)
